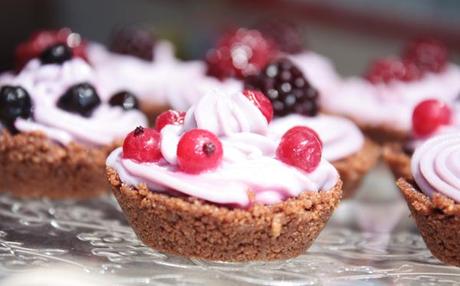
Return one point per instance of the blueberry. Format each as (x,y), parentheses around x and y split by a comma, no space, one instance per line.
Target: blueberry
(125,100)
(14,102)
(81,98)
(56,54)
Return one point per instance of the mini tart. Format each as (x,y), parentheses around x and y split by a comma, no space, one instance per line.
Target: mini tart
(353,168)
(194,228)
(398,160)
(33,166)
(438,220)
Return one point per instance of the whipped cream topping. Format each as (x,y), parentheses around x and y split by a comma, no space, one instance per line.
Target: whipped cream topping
(436,166)
(46,83)
(340,136)
(389,104)
(249,172)
(163,81)
(318,70)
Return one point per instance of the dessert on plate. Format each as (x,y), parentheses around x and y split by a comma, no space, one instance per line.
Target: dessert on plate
(430,117)
(296,102)
(433,195)
(381,103)
(211,184)
(56,129)
(136,62)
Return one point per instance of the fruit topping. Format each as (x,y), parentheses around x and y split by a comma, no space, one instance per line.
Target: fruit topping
(169,117)
(301,147)
(133,41)
(81,98)
(198,150)
(124,99)
(387,70)
(261,102)
(429,115)
(286,35)
(56,54)
(429,55)
(286,87)
(15,102)
(142,145)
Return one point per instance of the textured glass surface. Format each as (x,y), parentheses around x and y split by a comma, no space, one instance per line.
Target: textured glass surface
(370,241)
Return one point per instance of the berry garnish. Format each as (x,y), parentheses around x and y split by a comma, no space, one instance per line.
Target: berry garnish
(142,145)
(301,147)
(239,53)
(389,69)
(169,117)
(286,35)
(429,115)
(124,99)
(198,150)
(133,41)
(261,102)
(56,54)
(81,98)
(429,55)
(286,87)
(43,40)
(15,102)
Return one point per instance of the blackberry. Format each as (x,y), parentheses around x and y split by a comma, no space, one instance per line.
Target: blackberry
(133,41)
(286,87)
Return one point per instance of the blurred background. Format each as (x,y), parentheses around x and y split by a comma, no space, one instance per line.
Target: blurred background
(350,32)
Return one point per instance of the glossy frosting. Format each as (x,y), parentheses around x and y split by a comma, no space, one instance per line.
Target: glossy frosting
(249,166)
(436,166)
(46,83)
(390,104)
(166,81)
(340,136)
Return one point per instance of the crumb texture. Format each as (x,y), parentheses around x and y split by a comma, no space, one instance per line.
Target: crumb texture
(383,134)
(193,228)
(438,220)
(397,160)
(353,169)
(32,166)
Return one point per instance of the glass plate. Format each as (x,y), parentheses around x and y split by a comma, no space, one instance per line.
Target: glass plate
(369,241)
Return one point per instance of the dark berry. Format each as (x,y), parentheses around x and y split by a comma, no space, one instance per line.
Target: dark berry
(261,102)
(40,41)
(142,145)
(301,147)
(198,150)
(125,100)
(387,70)
(429,55)
(286,87)
(81,98)
(15,102)
(429,115)
(239,53)
(169,117)
(56,54)
(133,41)
(286,35)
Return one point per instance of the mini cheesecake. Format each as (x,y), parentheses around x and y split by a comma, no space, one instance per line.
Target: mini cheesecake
(211,184)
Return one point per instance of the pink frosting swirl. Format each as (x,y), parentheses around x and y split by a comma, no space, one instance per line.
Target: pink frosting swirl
(436,166)
(249,163)
(46,83)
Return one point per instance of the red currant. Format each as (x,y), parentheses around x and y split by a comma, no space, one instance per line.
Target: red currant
(42,40)
(261,101)
(198,150)
(301,147)
(169,117)
(142,145)
(389,69)
(240,53)
(429,55)
(429,115)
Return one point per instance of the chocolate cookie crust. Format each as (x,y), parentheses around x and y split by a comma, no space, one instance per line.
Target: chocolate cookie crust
(438,220)
(352,169)
(398,161)
(32,166)
(383,134)
(194,228)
